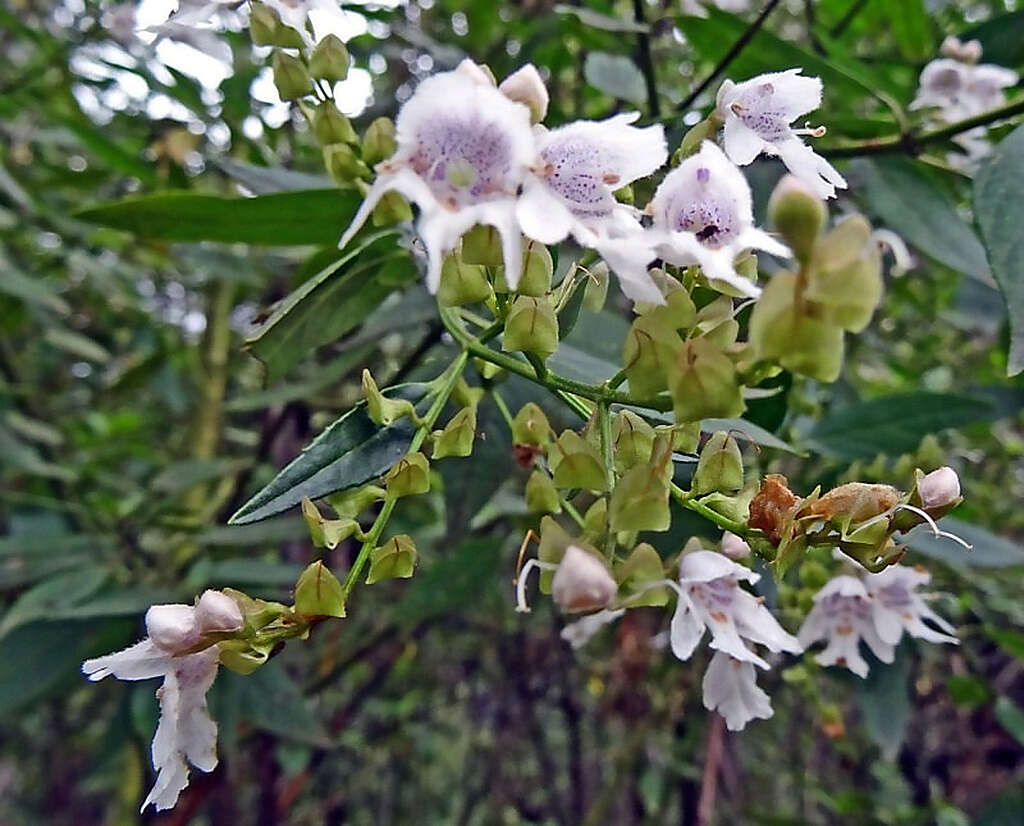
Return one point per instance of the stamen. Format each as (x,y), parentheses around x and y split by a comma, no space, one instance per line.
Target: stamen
(903,259)
(811,131)
(522,606)
(939,534)
(736,107)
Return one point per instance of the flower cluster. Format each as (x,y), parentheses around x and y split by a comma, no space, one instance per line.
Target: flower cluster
(956,86)
(469,152)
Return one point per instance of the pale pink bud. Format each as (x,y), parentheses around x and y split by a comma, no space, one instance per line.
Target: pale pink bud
(476,72)
(582,582)
(939,489)
(172,627)
(734,547)
(525,86)
(217,612)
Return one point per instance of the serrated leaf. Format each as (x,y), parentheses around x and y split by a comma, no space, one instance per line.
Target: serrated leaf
(315,216)
(998,205)
(351,451)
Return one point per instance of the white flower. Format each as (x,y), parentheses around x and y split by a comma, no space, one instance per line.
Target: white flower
(578,169)
(898,608)
(730,688)
(463,149)
(185,731)
(757,114)
(710,597)
(582,631)
(958,87)
(843,615)
(969,52)
(526,87)
(216,612)
(703,214)
(582,582)
(939,489)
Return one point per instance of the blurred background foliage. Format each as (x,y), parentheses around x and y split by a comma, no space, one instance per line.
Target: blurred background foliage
(135,419)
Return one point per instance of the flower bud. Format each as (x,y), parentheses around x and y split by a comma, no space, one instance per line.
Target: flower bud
(330,126)
(530,426)
(575,463)
(720,467)
(704,384)
(525,86)
(343,165)
(290,77)
(329,60)
(540,493)
(409,476)
(596,291)
(457,437)
(395,559)
(531,327)
(266,29)
(482,245)
(582,582)
(462,283)
(798,214)
(318,592)
(939,489)
(735,547)
(695,137)
(217,612)
(172,627)
(379,141)
(477,72)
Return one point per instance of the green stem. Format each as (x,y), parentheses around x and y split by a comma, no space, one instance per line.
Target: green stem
(550,380)
(605,430)
(913,144)
(724,522)
(447,385)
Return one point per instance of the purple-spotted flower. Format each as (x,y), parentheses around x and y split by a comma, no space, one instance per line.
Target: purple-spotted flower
(463,151)
(703,214)
(710,598)
(897,606)
(185,731)
(578,169)
(758,114)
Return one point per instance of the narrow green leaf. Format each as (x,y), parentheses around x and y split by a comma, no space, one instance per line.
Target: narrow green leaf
(317,216)
(998,205)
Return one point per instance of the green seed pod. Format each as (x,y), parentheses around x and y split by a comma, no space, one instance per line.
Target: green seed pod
(692,140)
(391,209)
(633,439)
(848,286)
(318,593)
(343,165)
(350,503)
(379,141)
(266,29)
(576,463)
(798,338)
(637,573)
(531,327)
(720,467)
(648,355)
(329,60)
(384,411)
(798,214)
(683,437)
(465,395)
(330,126)
(395,559)
(462,283)
(703,383)
(678,312)
(409,476)
(290,76)
(530,426)
(596,290)
(535,279)
(639,501)
(482,245)
(327,533)
(540,493)
(456,439)
(595,520)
